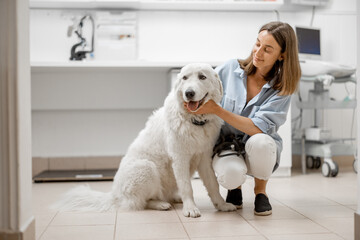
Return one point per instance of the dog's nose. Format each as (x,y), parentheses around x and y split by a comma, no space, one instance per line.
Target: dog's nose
(189,94)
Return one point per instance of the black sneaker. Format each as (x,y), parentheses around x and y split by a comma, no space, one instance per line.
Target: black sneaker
(262,205)
(235,197)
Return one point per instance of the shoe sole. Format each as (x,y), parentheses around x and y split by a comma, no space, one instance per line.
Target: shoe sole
(266,213)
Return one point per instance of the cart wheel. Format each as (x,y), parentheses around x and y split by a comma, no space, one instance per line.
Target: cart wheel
(335,170)
(310,162)
(355,163)
(325,169)
(317,162)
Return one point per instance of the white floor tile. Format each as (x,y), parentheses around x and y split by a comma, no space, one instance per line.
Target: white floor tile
(220,229)
(150,231)
(83,219)
(147,216)
(341,226)
(287,226)
(335,211)
(105,232)
(304,207)
(321,236)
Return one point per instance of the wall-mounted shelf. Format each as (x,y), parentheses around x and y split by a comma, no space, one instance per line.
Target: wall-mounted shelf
(73,65)
(187,5)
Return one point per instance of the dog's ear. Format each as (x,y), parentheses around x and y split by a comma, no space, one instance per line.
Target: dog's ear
(177,81)
(220,84)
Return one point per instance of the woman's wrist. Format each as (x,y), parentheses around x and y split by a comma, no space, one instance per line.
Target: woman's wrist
(216,109)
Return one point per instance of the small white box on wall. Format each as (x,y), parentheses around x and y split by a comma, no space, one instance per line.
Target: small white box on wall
(116,36)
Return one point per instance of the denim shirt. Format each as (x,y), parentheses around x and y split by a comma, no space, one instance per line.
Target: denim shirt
(267,109)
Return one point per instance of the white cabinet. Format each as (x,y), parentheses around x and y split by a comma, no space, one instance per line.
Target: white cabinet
(284,131)
(93,108)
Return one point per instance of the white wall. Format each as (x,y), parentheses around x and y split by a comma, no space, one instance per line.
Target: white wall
(198,36)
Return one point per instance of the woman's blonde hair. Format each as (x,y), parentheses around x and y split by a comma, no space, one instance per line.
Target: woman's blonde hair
(286,73)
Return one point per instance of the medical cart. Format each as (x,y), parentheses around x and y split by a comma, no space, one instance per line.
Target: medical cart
(311,148)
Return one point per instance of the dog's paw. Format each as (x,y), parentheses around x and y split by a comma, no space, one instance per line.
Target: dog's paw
(193,212)
(164,206)
(226,207)
(158,205)
(177,200)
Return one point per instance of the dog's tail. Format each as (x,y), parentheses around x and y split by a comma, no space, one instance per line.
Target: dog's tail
(83,198)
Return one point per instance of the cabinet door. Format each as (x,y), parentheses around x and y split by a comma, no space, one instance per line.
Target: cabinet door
(286,154)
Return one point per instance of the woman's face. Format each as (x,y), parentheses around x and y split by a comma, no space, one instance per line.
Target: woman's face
(266,52)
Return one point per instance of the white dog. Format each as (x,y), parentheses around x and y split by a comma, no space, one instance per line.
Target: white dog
(158,165)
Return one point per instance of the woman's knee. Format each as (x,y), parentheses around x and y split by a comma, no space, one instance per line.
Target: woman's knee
(260,143)
(261,152)
(230,170)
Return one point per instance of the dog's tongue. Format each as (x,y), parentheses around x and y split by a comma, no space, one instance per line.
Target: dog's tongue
(192,106)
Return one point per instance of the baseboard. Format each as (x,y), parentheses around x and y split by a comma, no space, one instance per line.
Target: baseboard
(41,164)
(357,226)
(27,234)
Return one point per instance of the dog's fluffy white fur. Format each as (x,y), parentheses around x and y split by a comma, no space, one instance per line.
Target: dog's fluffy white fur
(158,165)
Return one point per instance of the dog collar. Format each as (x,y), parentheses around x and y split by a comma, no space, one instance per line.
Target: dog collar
(198,123)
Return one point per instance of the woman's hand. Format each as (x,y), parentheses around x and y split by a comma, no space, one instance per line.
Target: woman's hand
(208,108)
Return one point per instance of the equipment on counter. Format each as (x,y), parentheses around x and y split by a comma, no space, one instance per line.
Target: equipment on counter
(79,55)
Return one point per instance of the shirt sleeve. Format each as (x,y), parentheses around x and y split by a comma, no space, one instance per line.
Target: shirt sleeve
(221,70)
(270,116)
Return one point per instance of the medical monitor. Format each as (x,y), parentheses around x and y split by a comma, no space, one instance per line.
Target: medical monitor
(309,42)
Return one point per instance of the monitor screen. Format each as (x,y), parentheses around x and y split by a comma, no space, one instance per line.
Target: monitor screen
(308,40)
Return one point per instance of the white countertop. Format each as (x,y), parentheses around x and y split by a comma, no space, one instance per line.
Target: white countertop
(116,64)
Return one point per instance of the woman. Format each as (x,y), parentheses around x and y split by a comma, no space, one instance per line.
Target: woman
(255,104)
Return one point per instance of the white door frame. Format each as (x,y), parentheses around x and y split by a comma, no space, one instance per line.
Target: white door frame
(357,213)
(16,217)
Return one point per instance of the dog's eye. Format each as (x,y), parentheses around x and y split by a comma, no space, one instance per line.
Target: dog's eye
(202,77)
(185,78)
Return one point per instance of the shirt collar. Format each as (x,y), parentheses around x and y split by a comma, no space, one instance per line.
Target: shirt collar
(239,70)
(270,83)
(242,74)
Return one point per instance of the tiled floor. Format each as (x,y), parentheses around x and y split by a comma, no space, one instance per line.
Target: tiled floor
(304,207)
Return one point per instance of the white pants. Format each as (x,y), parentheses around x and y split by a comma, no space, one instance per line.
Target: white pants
(260,159)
